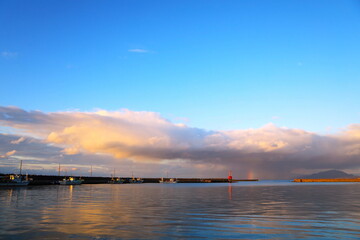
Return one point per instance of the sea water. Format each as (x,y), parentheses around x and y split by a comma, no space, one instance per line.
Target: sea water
(244,210)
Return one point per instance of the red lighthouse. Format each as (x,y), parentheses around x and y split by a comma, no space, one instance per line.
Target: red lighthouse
(230,176)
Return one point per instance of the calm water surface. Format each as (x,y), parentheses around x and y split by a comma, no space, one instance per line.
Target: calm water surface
(246,210)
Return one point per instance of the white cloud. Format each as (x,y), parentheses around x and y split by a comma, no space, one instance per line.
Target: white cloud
(146,137)
(21,139)
(8,54)
(138,50)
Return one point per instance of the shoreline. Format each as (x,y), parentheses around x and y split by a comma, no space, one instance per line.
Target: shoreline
(51,179)
(327,180)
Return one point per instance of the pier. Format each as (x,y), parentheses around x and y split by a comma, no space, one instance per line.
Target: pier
(51,179)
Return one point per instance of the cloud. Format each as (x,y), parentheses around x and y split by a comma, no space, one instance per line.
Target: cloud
(18,140)
(40,157)
(8,154)
(138,50)
(8,54)
(148,138)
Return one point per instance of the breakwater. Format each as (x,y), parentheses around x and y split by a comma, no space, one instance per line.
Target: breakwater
(51,179)
(327,180)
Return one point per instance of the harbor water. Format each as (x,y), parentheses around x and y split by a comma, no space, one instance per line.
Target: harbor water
(243,210)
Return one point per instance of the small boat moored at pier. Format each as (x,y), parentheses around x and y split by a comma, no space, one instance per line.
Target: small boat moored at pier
(171,180)
(71,181)
(136,180)
(116,181)
(14,180)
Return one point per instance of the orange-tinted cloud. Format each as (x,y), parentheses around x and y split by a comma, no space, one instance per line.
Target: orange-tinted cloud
(148,137)
(8,154)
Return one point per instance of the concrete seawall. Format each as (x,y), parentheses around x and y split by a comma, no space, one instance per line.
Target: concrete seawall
(327,180)
(50,179)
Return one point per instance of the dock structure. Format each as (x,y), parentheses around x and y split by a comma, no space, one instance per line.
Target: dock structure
(54,179)
(211,180)
(327,180)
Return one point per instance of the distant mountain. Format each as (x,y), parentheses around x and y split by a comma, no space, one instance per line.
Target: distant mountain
(329,174)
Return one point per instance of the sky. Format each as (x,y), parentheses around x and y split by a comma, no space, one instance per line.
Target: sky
(268,89)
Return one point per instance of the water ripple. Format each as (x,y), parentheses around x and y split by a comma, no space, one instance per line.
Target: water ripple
(273,210)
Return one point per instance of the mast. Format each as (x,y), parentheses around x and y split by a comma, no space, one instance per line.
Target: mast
(91,171)
(59,170)
(20,166)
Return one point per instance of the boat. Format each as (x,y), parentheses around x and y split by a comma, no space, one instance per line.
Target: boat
(14,180)
(136,180)
(171,180)
(116,181)
(71,181)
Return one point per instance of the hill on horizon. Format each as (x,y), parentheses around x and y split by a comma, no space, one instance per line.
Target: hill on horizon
(329,174)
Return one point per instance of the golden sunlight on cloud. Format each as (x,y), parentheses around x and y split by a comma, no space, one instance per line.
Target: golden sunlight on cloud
(139,134)
(146,136)
(266,139)
(112,132)
(351,140)
(8,154)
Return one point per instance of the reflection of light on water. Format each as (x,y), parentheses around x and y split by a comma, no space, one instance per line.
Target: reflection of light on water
(71,187)
(230,191)
(90,191)
(25,193)
(15,195)
(184,211)
(10,194)
(94,215)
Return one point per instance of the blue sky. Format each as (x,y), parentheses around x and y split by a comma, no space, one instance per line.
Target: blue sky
(265,88)
(219,64)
